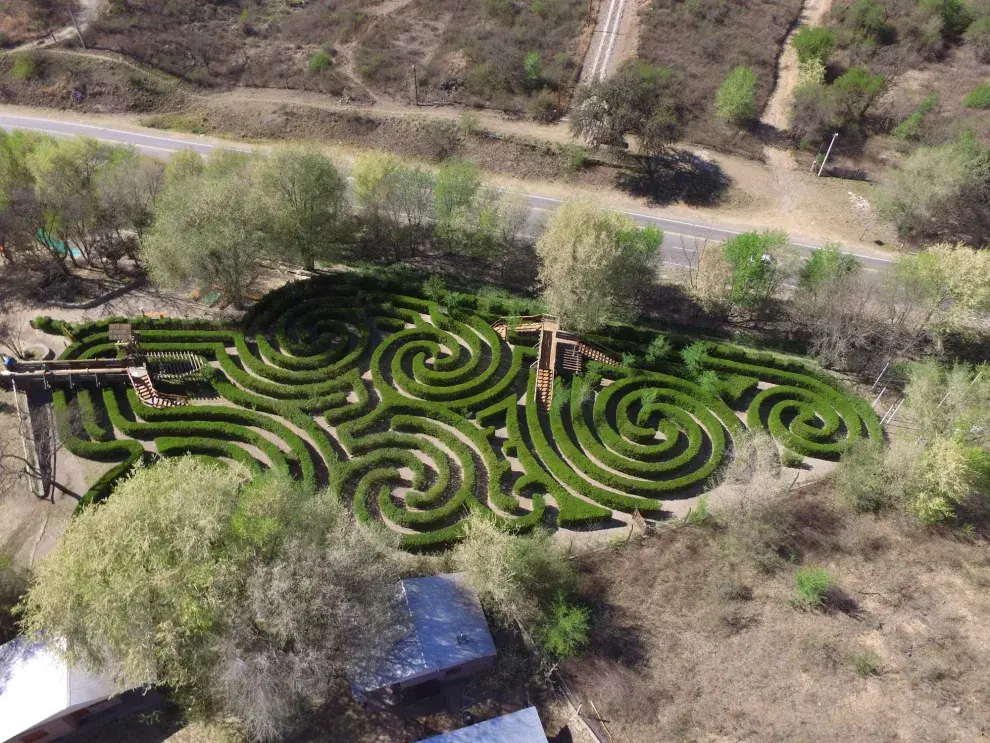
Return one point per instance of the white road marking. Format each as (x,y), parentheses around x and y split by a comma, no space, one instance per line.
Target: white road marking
(601,39)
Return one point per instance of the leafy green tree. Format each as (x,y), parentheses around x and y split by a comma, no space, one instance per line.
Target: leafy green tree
(735,101)
(591,261)
(302,195)
(760,262)
(869,19)
(855,91)
(248,599)
(639,99)
(825,265)
(533,69)
(564,633)
(693,357)
(814,43)
(208,231)
(658,350)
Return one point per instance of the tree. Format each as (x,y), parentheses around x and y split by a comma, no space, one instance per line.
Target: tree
(207,231)
(814,43)
(396,201)
(518,578)
(760,263)
(855,91)
(735,101)
(825,266)
(249,599)
(591,261)
(639,99)
(303,197)
(941,192)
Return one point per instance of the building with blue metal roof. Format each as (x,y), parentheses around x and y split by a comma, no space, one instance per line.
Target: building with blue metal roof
(446,638)
(523,726)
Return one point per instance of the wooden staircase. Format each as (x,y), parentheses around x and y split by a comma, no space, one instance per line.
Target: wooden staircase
(175,365)
(571,359)
(595,355)
(146,392)
(544,388)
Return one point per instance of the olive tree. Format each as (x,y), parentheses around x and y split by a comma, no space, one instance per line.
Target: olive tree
(591,262)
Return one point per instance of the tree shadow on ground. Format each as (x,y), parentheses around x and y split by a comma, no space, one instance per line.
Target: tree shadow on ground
(674,176)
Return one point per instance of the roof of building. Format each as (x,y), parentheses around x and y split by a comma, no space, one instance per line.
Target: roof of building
(36,685)
(120,332)
(523,726)
(445,628)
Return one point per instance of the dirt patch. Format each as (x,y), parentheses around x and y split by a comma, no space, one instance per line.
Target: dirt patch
(703,644)
(26,20)
(777,112)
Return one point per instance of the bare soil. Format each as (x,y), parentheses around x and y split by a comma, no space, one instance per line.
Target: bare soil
(26,20)
(696,637)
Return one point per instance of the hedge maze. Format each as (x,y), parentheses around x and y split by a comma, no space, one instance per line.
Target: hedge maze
(418,414)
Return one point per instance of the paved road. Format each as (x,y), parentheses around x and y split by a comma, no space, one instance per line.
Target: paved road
(680,236)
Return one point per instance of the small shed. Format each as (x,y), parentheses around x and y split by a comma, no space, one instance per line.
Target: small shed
(523,726)
(446,639)
(121,333)
(42,698)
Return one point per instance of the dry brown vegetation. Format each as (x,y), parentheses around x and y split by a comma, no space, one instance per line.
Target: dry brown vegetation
(703,40)
(24,20)
(697,638)
(468,52)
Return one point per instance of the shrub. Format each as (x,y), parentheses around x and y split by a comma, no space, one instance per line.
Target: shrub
(544,107)
(790,458)
(693,357)
(812,586)
(913,126)
(869,19)
(25,67)
(658,350)
(469,124)
(699,514)
(865,664)
(319,62)
(979,97)
(978,37)
(564,633)
(435,289)
(814,43)
(735,101)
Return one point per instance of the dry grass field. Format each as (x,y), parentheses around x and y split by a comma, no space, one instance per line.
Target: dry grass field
(697,639)
(25,20)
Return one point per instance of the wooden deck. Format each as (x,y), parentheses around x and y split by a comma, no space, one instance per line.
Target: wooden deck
(559,351)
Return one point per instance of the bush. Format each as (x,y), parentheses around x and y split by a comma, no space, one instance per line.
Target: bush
(913,126)
(25,67)
(812,586)
(319,62)
(564,633)
(699,514)
(814,43)
(865,664)
(792,459)
(544,107)
(978,37)
(735,101)
(659,350)
(979,97)
(869,19)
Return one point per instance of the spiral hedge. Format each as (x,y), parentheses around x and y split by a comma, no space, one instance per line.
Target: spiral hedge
(418,414)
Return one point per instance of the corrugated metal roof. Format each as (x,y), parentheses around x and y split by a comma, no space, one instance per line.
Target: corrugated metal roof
(447,628)
(523,726)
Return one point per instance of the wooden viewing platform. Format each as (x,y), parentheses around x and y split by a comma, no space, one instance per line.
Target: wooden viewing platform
(560,351)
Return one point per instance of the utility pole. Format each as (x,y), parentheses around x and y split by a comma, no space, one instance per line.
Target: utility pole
(827,153)
(76,26)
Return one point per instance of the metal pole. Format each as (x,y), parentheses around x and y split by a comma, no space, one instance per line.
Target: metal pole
(878,397)
(827,153)
(889,417)
(76,26)
(880,375)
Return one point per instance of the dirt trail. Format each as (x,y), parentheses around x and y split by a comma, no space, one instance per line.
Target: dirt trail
(778,108)
(86,13)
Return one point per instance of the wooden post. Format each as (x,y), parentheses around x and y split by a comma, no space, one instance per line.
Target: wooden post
(415,86)
(76,26)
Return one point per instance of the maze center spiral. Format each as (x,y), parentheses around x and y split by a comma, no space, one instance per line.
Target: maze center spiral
(418,414)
